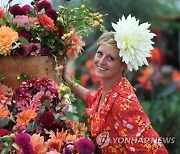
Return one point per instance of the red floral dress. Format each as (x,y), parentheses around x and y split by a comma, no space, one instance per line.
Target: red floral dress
(121,126)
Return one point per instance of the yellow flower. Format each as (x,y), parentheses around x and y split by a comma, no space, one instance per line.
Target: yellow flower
(7,37)
(24,117)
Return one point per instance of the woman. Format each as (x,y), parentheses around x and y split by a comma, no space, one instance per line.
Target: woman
(117,120)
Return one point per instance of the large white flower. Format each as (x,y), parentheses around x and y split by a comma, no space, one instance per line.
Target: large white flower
(134,41)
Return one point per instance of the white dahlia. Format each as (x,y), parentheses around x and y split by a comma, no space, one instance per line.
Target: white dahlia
(134,41)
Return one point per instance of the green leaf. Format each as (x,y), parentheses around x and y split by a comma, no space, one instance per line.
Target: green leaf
(47,102)
(6,138)
(30,126)
(12,118)
(23,41)
(63,118)
(41,110)
(3,122)
(57,117)
(75,118)
(69,115)
(60,106)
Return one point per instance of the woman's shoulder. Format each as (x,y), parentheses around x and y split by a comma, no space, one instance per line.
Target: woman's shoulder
(126,90)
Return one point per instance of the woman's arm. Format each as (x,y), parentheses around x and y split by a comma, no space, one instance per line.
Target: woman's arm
(77,89)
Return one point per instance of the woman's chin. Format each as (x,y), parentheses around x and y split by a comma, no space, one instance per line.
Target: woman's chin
(101,74)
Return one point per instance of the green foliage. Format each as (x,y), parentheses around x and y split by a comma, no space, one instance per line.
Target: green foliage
(1,76)
(164,115)
(145,10)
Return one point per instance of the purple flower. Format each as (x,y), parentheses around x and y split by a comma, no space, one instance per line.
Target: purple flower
(52,14)
(22,139)
(28,149)
(26,34)
(45,52)
(85,146)
(23,51)
(26,9)
(43,4)
(68,148)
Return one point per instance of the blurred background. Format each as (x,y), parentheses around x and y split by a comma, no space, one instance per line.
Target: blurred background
(157,85)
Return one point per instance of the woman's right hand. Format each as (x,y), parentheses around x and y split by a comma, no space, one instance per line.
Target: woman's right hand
(80,91)
(65,74)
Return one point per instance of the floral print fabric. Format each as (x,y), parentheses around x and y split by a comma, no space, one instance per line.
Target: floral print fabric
(122,117)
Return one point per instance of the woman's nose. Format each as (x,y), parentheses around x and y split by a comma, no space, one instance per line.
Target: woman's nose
(102,60)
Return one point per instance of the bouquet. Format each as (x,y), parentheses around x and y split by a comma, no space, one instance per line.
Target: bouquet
(37,118)
(41,30)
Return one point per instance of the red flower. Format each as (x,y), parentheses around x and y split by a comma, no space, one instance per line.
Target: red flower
(16,10)
(47,22)
(43,5)
(3,132)
(47,119)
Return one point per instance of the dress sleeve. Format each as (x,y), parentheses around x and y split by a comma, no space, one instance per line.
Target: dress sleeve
(133,125)
(90,98)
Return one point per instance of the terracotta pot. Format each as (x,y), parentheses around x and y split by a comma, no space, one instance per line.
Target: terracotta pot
(37,66)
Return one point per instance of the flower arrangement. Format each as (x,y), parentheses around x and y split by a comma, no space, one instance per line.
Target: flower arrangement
(37,118)
(41,30)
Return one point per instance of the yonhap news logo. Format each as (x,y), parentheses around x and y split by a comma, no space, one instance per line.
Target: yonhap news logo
(104,139)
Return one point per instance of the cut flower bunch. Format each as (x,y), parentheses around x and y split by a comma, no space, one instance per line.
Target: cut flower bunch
(37,118)
(41,30)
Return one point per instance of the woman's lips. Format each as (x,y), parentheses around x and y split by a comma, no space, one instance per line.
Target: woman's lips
(102,68)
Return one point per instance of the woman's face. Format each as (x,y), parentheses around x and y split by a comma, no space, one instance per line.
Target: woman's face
(107,63)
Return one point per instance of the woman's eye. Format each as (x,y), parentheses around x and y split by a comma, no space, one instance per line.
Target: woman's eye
(98,53)
(111,59)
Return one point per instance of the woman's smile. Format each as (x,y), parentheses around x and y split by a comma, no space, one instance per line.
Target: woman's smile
(101,68)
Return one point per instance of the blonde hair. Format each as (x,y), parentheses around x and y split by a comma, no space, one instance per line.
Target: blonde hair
(107,38)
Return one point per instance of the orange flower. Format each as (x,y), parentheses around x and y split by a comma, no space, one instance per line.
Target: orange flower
(157,57)
(4,113)
(84,79)
(24,117)
(57,140)
(77,43)
(89,64)
(78,128)
(47,22)
(176,77)
(144,79)
(37,142)
(7,37)
(1,12)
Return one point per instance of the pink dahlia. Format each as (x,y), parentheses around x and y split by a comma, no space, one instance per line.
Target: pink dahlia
(6,95)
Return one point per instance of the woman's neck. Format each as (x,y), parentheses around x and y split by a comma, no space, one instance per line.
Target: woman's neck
(109,83)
